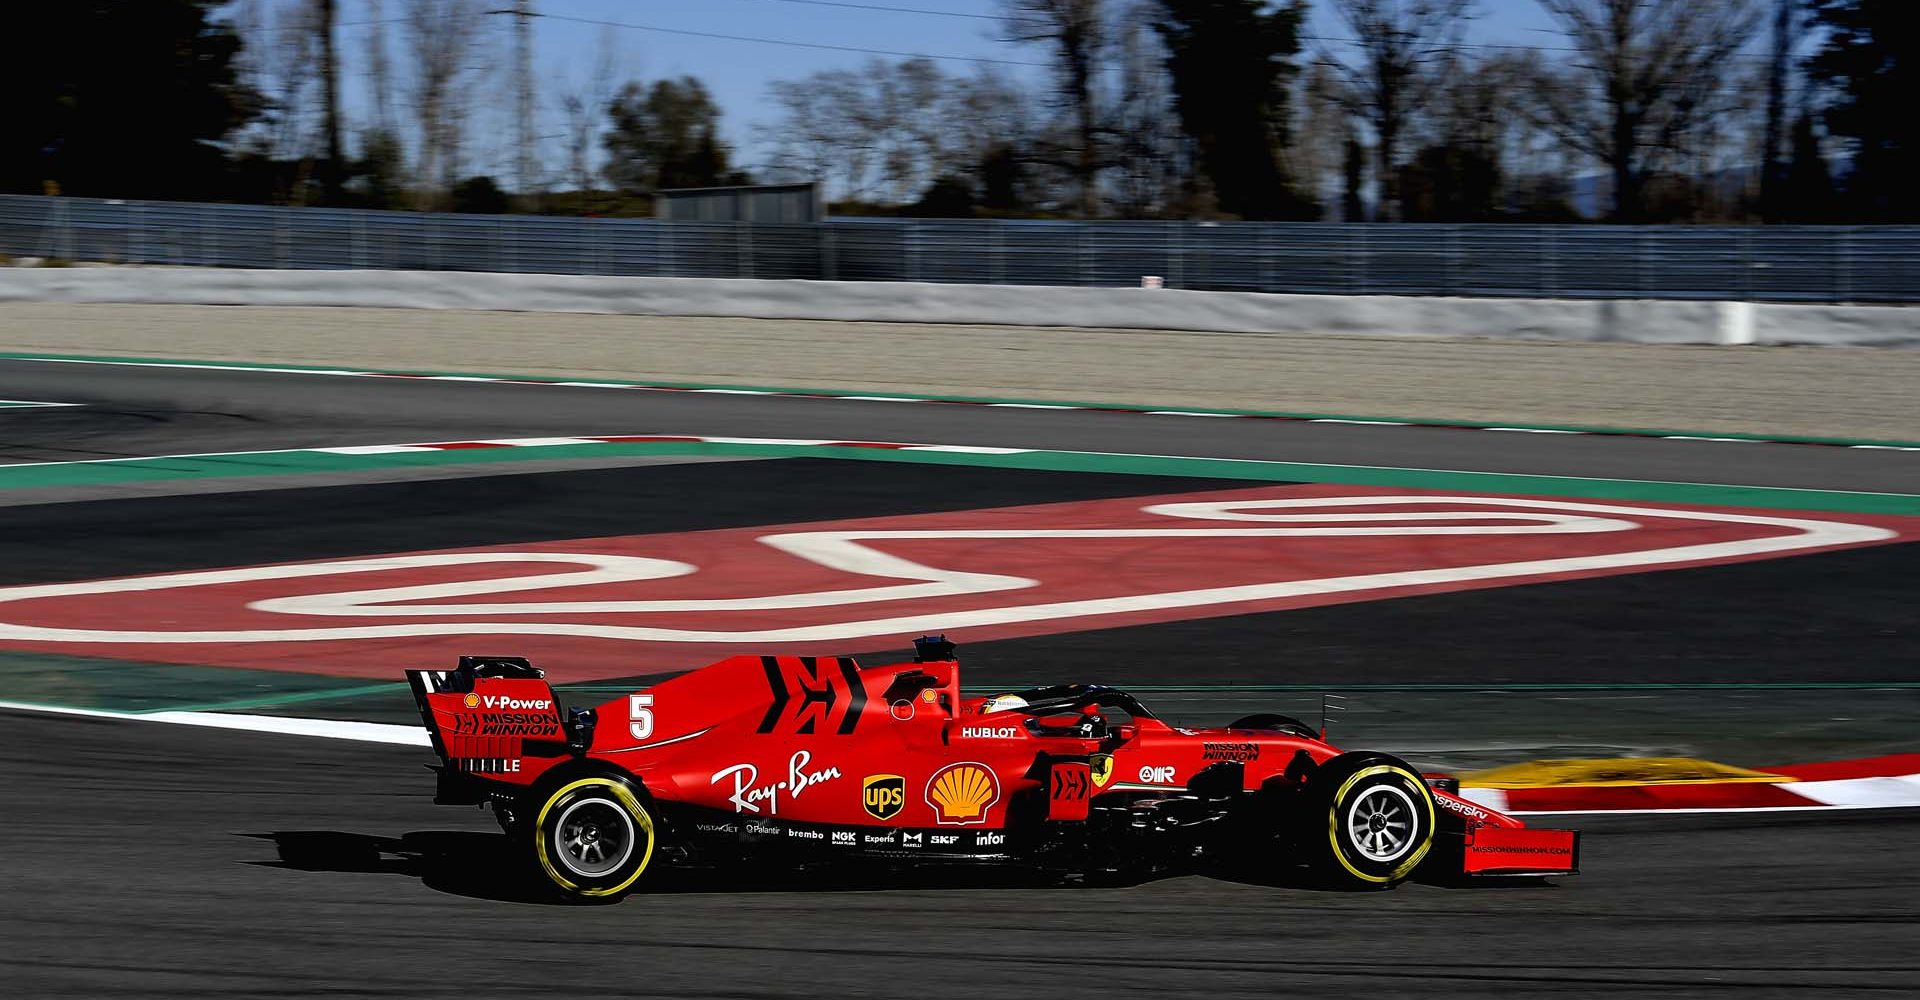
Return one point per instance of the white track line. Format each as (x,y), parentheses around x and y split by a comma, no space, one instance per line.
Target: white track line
(822,394)
(844,551)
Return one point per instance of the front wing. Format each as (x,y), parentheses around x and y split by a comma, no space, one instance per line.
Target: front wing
(1495,850)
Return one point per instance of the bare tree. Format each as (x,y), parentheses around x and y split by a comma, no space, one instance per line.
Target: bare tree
(888,131)
(252,64)
(1649,75)
(380,92)
(1407,48)
(911,96)
(1498,104)
(333,170)
(1078,34)
(440,37)
(280,67)
(1773,162)
(815,138)
(993,127)
(1319,137)
(1146,126)
(525,160)
(583,106)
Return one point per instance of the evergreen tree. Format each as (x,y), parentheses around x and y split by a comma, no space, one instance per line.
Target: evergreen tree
(1870,63)
(1232,68)
(119,99)
(1806,192)
(665,136)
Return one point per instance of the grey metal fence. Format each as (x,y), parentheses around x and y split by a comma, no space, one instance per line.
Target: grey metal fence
(1774,263)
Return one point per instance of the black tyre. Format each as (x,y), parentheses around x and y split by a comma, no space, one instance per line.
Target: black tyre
(1270,722)
(1375,820)
(593,837)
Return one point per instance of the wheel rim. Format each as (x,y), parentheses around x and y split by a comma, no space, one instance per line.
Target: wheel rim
(594,837)
(1381,823)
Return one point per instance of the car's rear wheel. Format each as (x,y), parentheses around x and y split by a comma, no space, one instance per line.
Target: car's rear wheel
(1379,819)
(594,838)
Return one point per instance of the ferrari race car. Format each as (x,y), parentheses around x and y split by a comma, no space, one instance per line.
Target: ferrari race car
(806,759)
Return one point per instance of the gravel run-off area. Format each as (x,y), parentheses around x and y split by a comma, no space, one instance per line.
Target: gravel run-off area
(1813,391)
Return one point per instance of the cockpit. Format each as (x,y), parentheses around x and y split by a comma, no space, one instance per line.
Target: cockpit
(1078,711)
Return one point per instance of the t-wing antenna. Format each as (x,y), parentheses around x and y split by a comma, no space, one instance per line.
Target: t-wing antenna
(932,649)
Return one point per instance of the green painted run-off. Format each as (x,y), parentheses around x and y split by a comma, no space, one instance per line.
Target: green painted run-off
(1247,470)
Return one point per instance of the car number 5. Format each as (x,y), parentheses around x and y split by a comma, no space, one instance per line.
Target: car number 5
(640,710)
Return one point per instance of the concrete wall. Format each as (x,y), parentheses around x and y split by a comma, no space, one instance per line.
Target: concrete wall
(1574,320)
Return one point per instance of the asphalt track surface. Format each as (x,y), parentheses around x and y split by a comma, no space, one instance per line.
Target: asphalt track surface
(148,860)
(156,411)
(144,859)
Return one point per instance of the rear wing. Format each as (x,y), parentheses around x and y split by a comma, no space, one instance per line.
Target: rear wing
(489,713)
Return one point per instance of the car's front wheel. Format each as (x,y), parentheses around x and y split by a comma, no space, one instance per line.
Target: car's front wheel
(593,838)
(1379,819)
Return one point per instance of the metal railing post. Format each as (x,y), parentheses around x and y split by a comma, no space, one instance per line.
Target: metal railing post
(1177,255)
(63,246)
(831,267)
(1747,263)
(1362,259)
(743,246)
(1550,235)
(1267,251)
(912,247)
(997,251)
(1455,262)
(1844,247)
(1641,259)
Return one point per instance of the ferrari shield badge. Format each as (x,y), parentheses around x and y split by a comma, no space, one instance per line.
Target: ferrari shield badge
(1102,764)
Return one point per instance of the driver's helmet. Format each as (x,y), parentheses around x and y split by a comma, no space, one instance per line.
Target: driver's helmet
(1002,703)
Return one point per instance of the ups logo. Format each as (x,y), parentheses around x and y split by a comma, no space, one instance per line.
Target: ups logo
(884,795)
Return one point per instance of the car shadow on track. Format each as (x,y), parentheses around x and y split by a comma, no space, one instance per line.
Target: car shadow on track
(484,866)
(463,863)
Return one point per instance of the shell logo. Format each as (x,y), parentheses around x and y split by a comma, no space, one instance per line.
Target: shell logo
(962,794)
(471,701)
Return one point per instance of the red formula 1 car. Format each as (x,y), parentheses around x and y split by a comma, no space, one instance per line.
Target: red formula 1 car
(817,758)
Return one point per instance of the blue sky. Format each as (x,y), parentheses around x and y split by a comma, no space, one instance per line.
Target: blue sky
(738,71)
